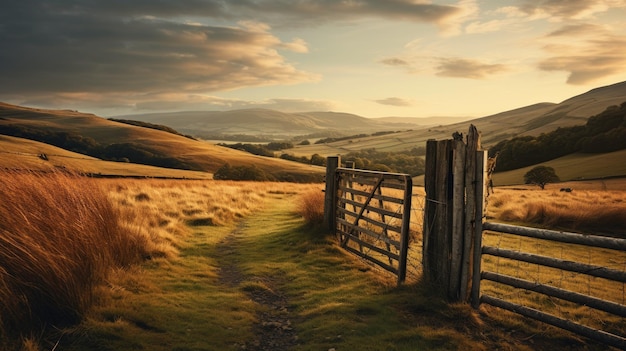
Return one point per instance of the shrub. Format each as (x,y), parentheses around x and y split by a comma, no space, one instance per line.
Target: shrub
(311,207)
(59,236)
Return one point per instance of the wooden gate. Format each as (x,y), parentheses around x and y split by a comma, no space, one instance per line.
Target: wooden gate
(370,215)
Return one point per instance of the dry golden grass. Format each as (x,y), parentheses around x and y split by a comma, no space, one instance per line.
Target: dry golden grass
(59,235)
(586,209)
(311,207)
(167,209)
(64,238)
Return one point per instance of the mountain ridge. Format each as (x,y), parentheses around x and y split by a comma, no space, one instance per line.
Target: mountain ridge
(533,119)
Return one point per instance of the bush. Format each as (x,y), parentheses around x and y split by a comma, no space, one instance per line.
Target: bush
(228,172)
(311,207)
(59,236)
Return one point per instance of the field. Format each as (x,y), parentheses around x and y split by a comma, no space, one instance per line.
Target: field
(210,265)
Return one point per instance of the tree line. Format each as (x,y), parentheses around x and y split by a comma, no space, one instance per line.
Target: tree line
(602,133)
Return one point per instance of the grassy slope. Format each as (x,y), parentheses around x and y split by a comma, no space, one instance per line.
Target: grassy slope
(209,157)
(18,153)
(336,301)
(573,167)
(568,168)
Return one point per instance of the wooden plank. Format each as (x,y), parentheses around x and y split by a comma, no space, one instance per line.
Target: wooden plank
(330,196)
(481,165)
(370,233)
(406,227)
(571,266)
(430,209)
(374,248)
(567,295)
(564,237)
(371,259)
(458,220)
(444,211)
(469,230)
(350,190)
(599,335)
(371,208)
(373,221)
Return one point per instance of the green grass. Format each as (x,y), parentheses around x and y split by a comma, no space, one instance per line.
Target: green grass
(334,300)
(572,167)
(170,305)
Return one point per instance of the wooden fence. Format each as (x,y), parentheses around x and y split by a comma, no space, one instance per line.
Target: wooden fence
(454,183)
(456,179)
(370,214)
(549,290)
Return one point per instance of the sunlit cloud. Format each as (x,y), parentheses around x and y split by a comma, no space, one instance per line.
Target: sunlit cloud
(395,101)
(571,9)
(588,61)
(467,68)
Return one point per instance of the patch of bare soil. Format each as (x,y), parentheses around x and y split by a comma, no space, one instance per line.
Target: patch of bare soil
(274,329)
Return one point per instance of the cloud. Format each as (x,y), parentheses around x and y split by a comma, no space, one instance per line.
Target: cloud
(395,101)
(575,30)
(395,62)
(55,48)
(189,103)
(318,11)
(588,55)
(571,9)
(467,68)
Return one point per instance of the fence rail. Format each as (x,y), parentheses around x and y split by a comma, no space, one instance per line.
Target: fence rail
(590,301)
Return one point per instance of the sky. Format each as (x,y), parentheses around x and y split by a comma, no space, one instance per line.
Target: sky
(404,58)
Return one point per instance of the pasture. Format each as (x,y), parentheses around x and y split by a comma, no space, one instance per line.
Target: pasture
(217,265)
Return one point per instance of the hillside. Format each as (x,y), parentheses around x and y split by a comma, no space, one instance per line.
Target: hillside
(529,120)
(200,155)
(274,124)
(19,153)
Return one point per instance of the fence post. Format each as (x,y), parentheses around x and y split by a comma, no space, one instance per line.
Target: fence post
(448,220)
(472,178)
(481,166)
(330,196)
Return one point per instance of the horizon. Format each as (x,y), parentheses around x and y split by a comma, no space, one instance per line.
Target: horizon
(374,59)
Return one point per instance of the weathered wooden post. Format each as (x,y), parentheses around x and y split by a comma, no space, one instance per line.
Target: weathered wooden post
(330,203)
(447,241)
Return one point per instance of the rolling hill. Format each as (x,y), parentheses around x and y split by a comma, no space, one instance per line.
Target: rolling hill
(279,125)
(201,156)
(529,120)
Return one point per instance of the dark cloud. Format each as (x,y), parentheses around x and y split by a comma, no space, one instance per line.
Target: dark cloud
(569,8)
(47,48)
(466,68)
(395,61)
(395,101)
(96,50)
(575,29)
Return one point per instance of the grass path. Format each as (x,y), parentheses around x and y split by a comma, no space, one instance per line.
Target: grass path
(270,283)
(273,329)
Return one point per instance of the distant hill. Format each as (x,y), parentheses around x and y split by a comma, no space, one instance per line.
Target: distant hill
(199,155)
(278,125)
(529,120)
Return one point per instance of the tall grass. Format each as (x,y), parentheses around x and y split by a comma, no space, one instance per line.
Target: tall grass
(59,236)
(311,207)
(592,211)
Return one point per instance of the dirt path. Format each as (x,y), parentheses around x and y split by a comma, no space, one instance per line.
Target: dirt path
(274,329)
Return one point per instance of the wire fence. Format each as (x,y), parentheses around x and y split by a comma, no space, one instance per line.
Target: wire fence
(591,286)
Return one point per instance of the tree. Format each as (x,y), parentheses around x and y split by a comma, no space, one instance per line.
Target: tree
(541,175)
